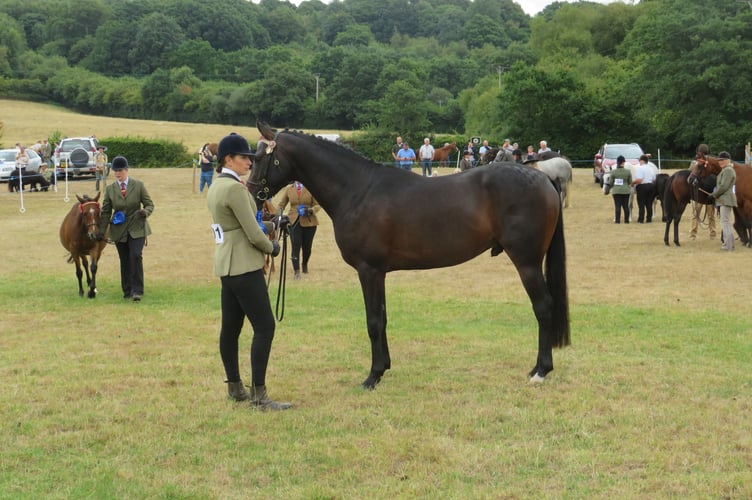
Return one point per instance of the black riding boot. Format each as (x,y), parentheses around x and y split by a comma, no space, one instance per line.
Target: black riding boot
(260,400)
(236,391)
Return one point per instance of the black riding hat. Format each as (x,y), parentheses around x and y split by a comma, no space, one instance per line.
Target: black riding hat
(119,163)
(233,144)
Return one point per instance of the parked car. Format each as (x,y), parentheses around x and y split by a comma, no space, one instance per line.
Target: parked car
(605,158)
(8,162)
(76,156)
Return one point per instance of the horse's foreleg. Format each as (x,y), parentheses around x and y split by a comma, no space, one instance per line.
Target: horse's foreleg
(79,275)
(93,283)
(374,297)
(668,229)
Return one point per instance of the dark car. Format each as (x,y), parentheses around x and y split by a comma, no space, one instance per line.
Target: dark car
(605,158)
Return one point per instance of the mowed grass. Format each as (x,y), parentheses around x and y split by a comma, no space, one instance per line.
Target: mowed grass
(106,398)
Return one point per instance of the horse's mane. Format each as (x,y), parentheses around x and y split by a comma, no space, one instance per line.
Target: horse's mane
(335,147)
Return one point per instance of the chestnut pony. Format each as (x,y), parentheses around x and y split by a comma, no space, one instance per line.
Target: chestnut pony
(502,207)
(707,165)
(79,235)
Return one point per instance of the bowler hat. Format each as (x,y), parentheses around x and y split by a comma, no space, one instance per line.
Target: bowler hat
(233,144)
(119,163)
(723,155)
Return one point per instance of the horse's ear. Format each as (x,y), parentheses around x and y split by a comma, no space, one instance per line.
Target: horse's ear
(80,200)
(267,132)
(96,198)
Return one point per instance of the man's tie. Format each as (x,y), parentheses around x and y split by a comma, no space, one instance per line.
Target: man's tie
(122,189)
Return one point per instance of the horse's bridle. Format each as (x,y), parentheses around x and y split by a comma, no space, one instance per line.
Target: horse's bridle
(81,210)
(262,190)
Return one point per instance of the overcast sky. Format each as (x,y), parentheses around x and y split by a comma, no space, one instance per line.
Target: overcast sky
(531,7)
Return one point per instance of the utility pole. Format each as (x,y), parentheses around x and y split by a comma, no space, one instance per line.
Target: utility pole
(317,75)
(501,69)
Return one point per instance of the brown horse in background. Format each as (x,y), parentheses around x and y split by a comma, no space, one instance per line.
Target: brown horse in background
(441,155)
(708,165)
(678,192)
(79,234)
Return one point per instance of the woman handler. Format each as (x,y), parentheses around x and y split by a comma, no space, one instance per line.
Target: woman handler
(239,261)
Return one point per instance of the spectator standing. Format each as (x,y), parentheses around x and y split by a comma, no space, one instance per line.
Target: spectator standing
(406,157)
(206,162)
(543,147)
(22,158)
(531,156)
(129,229)
(483,149)
(726,198)
(303,223)
(644,183)
(426,156)
(466,163)
(46,152)
(619,185)
(517,156)
(395,150)
(697,208)
(100,163)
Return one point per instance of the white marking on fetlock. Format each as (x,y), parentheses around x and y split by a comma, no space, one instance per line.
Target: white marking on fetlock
(536,379)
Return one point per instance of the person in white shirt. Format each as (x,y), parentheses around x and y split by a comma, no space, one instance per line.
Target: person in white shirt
(644,183)
(426,156)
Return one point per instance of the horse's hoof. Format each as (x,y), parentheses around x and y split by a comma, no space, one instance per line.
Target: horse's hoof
(370,383)
(537,379)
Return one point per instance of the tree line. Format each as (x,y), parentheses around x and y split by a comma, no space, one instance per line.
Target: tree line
(669,74)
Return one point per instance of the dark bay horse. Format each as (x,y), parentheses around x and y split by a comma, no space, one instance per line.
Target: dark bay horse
(708,165)
(678,192)
(452,219)
(79,235)
(441,155)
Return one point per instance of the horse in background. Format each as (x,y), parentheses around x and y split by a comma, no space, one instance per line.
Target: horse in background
(678,193)
(706,166)
(441,155)
(501,207)
(79,234)
(559,170)
(18,180)
(661,181)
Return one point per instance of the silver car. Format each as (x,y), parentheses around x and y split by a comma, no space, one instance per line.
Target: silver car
(8,162)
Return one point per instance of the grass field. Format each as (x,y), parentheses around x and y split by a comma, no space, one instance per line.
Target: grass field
(112,399)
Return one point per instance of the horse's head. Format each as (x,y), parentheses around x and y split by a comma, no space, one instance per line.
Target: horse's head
(272,169)
(703,166)
(89,211)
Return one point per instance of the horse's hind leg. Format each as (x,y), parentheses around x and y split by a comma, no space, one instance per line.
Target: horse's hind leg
(535,286)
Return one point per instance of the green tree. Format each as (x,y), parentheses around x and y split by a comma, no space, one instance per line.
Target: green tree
(12,45)
(403,108)
(154,41)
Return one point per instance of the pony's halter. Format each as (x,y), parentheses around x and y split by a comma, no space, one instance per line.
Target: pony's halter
(94,222)
(82,205)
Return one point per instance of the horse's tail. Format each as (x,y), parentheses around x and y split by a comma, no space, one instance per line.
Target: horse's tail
(556,281)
